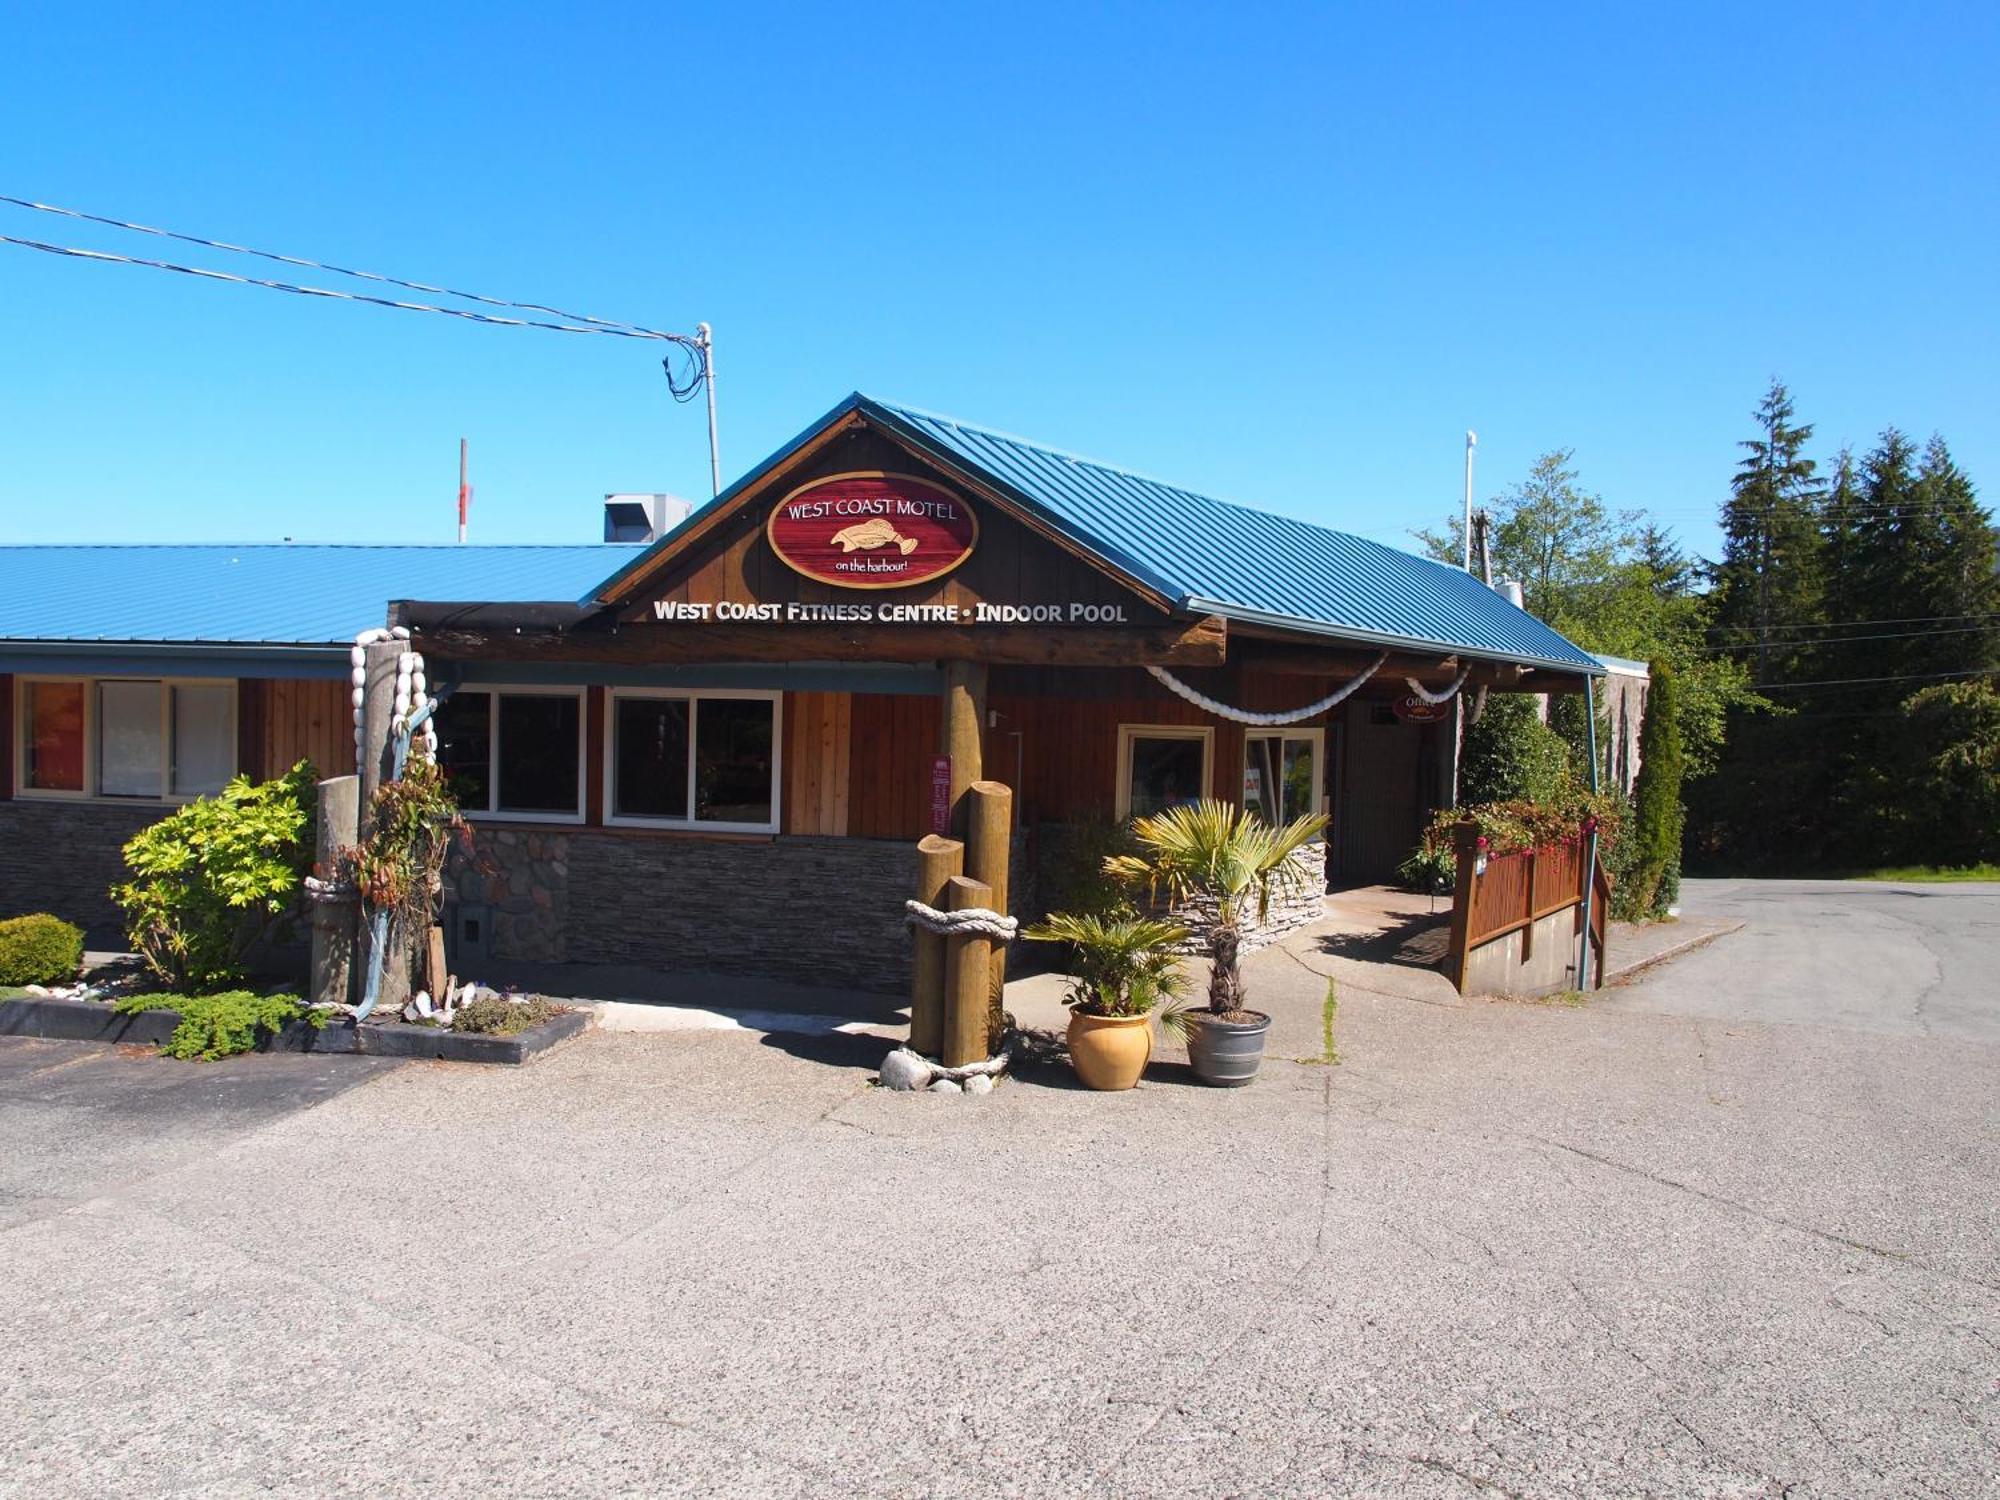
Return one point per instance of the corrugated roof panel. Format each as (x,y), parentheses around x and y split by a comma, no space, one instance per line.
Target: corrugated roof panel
(268,592)
(1210,553)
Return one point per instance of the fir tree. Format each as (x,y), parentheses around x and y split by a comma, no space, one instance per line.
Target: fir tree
(1768,581)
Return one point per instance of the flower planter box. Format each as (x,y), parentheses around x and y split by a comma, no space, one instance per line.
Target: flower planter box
(93,1021)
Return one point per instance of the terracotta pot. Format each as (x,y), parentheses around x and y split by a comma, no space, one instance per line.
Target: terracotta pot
(1109,1052)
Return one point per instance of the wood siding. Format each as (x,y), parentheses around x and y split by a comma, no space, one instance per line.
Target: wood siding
(283,720)
(818,771)
(894,736)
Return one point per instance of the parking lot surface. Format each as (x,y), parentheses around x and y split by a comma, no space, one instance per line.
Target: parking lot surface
(1644,1246)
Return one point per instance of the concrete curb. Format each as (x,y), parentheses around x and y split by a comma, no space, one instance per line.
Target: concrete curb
(89,1021)
(1686,945)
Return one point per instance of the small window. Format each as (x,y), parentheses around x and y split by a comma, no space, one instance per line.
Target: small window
(696,760)
(514,753)
(53,734)
(1281,774)
(651,776)
(204,756)
(143,739)
(1161,766)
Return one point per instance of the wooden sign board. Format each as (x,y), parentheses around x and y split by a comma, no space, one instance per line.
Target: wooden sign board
(940,793)
(872,530)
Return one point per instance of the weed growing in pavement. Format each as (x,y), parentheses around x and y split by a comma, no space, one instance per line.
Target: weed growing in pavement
(1329,1054)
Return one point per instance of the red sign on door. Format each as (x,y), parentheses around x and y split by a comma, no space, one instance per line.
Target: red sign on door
(872,530)
(940,793)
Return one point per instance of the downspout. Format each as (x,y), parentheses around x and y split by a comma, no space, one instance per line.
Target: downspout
(1590,840)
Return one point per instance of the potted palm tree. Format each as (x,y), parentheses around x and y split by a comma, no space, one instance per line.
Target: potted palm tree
(1124,975)
(1211,852)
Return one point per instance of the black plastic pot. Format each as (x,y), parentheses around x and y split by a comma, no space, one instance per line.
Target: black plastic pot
(1227,1054)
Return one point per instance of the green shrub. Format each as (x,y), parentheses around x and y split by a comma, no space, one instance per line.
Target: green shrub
(39,949)
(501,1017)
(1123,966)
(1657,814)
(221,1025)
(213,877)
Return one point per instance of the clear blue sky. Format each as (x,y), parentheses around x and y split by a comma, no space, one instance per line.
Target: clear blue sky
(1285,257)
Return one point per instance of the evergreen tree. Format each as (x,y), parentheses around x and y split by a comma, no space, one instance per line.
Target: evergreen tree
(1768,581)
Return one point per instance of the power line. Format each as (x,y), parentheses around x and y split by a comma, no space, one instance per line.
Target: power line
(607,325)
(320,291)
(1845,624)
(1909,677)
(1842,640)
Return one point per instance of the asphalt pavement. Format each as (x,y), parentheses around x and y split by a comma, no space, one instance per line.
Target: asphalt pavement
(1721,1236)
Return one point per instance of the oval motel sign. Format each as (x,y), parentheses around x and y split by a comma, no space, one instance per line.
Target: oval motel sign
(872,530)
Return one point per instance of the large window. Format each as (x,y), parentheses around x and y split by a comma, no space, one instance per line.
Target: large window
(1161,766)
(693,760)
(1281,773)
(514,752)
(142,739)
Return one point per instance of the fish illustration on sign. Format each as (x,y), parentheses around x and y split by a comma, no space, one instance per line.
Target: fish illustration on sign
(866,536)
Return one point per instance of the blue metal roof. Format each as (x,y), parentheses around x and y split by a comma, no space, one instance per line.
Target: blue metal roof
(1216,557)
(267,593)
(1212,556)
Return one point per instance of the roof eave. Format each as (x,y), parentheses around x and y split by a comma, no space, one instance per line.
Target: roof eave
(1194,604)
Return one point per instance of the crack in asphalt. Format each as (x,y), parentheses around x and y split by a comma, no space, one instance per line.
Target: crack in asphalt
(1832,1238)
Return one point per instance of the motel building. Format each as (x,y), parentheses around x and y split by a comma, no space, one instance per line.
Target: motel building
(715,750)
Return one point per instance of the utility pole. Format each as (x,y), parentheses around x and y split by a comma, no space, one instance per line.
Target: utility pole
(1471,444)
(464,493)
(704,338)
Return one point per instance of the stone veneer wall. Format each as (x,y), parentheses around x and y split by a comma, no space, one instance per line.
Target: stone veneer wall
(1287,913)
(817,910)
(63,858)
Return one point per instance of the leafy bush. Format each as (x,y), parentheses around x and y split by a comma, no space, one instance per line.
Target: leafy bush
(1510,827)
(39,949)
(500,1017)
(1072,866)
(1512,756)
(1122,964)
(1949,774)
(220,1025)
(1430,870)
(213,877)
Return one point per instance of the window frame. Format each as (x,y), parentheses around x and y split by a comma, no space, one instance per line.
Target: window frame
(93,750)
(692,697)
(1127,733)
(495,691)
(1322,798)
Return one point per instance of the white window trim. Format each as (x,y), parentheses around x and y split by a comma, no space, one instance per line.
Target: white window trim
(93,752)
(692,697)
(1322,802)
(494,691)
(1127,733)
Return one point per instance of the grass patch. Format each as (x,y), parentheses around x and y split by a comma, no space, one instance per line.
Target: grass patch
(1574,999)
(1931,874)
(1329,1011)
(213,1026)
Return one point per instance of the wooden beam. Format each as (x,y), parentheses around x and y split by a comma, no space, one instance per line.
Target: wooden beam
(1195,643)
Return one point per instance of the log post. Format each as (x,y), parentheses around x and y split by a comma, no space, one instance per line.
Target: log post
(989,840)
(333,919)
(963,732)
(1465,846)
(378,707)
(939,859)
(378,710)
(968,966)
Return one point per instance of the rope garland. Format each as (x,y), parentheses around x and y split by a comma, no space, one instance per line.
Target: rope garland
(972,921)
(1425,695)
(1245,716)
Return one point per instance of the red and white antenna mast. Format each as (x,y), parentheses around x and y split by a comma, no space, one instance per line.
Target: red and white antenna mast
(464,493)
